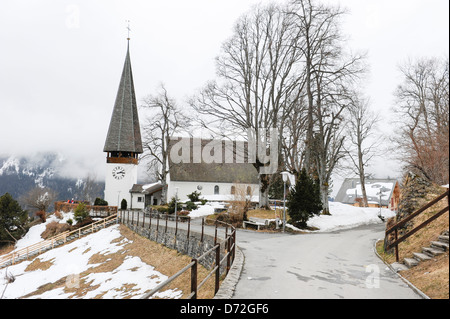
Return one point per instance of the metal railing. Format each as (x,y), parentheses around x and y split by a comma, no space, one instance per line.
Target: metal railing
(144,219)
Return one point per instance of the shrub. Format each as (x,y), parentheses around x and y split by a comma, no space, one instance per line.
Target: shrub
(54,228)
(161,209)
(190,206)
(123,204)
(100,202)
(171,206)
(194,196)
(81,213)
(41,214)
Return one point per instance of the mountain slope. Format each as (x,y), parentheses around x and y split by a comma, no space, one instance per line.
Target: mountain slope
(18,175)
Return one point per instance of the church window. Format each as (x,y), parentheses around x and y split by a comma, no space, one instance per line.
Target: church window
(216,190)
(233,190)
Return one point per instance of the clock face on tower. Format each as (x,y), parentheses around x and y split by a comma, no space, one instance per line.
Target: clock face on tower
(118,172)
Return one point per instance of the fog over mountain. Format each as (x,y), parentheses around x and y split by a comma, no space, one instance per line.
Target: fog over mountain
(20,174)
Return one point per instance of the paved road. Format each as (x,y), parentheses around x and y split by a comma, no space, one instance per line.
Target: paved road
(332,265)
(320,265)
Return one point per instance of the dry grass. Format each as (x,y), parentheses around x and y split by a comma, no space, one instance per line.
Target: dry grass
(6,249)
(166,261)
(432,276)
(38,264)
(267,214)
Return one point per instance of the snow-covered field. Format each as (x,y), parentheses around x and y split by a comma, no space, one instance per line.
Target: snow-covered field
(72,259)
(344,216)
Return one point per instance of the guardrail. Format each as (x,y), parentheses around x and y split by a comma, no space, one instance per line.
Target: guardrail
(40,247)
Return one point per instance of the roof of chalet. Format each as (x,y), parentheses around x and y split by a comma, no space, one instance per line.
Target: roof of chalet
(213,172)
(124,133)
(146,188)
(351,189)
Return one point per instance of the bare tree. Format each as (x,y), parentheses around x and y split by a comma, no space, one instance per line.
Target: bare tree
(90,189)
(423,106)
(165,121)
(258,80)
(361,146)
(39,198)
(329,73)
(293,137)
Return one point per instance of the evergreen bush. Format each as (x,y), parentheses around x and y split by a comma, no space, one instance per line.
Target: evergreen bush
(303,202)
(123,204)
(81,213)
(100,202)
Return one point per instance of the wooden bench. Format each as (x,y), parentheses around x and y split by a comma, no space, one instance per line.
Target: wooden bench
(258,222)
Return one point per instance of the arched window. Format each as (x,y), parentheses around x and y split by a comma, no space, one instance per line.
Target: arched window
(249,190)
(216,190)
(233,190)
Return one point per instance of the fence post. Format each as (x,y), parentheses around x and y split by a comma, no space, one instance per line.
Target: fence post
(203,227)
(396,246)
(234,242)
(194,279)
(150,220)
(229,254)
(215,235)
(176,225)
(189,228)
(216,286)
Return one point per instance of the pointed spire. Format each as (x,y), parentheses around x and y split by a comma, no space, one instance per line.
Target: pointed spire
(124,134)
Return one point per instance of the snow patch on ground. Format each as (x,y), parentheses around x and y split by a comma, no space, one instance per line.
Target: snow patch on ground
(72,259)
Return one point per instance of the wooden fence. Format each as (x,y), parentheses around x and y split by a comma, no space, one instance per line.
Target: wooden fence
(394,229)
(42,246)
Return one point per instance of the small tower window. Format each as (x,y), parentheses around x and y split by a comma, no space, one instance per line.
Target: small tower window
(216,190)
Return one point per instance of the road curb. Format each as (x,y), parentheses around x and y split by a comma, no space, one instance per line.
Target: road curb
(228,285)
(417,290)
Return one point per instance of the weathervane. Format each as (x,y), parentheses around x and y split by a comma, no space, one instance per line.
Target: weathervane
(128,28)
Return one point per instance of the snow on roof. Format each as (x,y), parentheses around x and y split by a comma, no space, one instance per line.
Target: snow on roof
(351,189)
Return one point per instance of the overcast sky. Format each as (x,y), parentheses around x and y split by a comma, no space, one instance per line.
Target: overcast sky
(61,61)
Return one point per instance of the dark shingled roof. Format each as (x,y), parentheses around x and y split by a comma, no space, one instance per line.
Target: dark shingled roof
(124,132)
(245,173)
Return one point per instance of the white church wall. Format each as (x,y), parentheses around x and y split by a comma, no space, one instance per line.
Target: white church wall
(118,187)
(206,189)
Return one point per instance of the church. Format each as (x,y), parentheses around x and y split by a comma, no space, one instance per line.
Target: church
(123,142)
(219,181)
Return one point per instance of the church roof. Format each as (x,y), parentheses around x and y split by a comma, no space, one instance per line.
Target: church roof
(124,132)
(244,173)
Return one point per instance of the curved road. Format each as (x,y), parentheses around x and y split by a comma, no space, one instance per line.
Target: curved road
(339,264)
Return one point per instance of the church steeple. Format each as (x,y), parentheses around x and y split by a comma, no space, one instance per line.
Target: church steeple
(124,136)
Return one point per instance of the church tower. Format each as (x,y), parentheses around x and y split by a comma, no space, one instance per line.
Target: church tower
(123,142)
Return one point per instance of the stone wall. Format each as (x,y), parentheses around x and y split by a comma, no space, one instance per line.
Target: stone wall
(191,246)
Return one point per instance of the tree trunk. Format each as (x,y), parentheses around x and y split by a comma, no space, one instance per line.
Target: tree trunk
(264,180)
